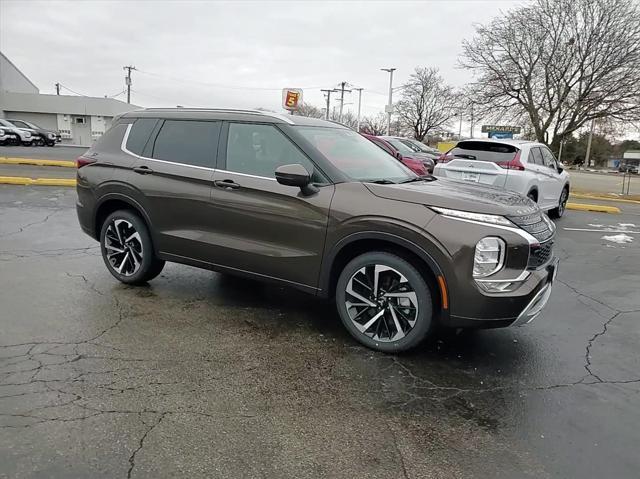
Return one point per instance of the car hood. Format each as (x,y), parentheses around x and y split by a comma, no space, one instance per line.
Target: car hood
(457,195)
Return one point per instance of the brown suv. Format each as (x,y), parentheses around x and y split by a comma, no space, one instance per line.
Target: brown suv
(311,204)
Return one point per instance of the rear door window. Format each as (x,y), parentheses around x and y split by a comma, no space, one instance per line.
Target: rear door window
(537,156)
(188,142)
(139,134)
(484,151)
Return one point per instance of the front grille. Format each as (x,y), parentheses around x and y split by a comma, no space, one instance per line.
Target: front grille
(540,255)
(535,225)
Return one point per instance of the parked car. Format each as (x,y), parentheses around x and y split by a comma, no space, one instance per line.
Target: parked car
(404,154)
(427,159)
(7,137)
(434,152)
(525,167)
(48,137)
(628,168)
(19,135)
(311,204)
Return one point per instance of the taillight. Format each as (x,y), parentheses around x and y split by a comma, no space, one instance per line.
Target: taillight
(444,158)
(513,164)
(84,161)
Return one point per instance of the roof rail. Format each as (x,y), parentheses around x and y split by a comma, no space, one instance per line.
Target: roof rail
(230,110)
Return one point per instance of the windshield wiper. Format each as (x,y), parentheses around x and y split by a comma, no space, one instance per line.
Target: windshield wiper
(382,182)
(411,180)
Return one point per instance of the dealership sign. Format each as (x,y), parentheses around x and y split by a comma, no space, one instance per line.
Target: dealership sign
(501,129)
(291,98)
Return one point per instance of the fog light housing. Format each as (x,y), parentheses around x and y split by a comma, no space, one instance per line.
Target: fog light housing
(489,257)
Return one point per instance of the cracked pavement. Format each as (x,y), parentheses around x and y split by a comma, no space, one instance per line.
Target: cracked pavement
(207,375)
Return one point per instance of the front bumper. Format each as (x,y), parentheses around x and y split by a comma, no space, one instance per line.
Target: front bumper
(539,301)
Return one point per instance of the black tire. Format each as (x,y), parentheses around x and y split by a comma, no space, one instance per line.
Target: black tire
(148,264)
(558,212)
(374,336)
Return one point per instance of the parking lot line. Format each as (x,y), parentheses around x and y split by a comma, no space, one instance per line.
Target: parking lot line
(36,162)
(593,230)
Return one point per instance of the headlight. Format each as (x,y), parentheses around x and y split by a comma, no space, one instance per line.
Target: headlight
(27,134)
(51,136)
(1,132)
(482,218)
(489,257)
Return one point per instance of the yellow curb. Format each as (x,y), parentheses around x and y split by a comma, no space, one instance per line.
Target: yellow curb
(596,208)
(21,180)
(584,196)
(30,161)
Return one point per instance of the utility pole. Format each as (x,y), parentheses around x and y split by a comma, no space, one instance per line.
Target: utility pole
(359,106)
(127,81)
(326,113)
(460,126)
(560,152)
(471,120)
(587,160)
(390,105)
(342,90)
(57,88)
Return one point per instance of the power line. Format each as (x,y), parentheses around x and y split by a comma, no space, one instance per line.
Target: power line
(72,91)
(217,85)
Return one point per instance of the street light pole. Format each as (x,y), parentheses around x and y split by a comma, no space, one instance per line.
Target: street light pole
(359,106)
(326,113)
(390,105)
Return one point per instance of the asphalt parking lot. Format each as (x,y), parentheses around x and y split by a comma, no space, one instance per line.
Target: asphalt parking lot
(205,375)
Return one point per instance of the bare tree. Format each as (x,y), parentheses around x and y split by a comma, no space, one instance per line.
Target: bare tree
(307,109)
(374,125)
(558,64)
(427,103)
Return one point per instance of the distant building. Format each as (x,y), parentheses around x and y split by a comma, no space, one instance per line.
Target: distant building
(79,119)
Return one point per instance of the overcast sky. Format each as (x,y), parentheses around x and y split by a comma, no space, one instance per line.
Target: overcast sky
(236,54)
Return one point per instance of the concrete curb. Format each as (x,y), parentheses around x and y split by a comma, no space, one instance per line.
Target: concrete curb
(596,208)
(21,180)
(33,162)
(586,196)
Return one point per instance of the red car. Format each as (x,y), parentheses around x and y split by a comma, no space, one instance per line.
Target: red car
(403,153)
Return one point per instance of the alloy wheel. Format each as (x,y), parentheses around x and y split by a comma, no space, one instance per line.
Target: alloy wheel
(381,303)
(563,203)
(123,247)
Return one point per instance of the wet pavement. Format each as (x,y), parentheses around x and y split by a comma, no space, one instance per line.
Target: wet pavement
(206,375)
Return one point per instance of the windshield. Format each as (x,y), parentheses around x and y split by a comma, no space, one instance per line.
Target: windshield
(416,144)
(354,155)
(6,123)
(401,146)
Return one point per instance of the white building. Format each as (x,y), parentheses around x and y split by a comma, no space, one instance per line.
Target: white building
(79,119)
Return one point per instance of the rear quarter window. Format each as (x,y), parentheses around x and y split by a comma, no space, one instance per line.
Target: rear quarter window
(139,134)
(484,151)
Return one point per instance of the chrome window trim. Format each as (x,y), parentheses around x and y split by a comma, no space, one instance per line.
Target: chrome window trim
(123,147)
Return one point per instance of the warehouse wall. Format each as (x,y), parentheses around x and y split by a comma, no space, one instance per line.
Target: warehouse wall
(43,120)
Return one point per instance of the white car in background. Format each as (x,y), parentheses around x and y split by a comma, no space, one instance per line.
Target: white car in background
(22,136)
(526,167)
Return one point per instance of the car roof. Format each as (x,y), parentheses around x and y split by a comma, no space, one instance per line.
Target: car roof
(230,114)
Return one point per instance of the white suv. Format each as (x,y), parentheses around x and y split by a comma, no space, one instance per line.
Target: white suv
(525,167)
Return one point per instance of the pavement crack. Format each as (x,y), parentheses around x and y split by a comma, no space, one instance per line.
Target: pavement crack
(405,474)
(590,342)
(29,225)
(132,458)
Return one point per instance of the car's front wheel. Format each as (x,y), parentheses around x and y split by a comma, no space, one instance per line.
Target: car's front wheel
(384,302)
(127,249)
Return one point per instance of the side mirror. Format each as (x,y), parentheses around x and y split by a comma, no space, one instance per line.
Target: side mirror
(295,175)
(560,167)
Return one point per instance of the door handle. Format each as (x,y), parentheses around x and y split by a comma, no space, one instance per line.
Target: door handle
(143,170)
(227,184)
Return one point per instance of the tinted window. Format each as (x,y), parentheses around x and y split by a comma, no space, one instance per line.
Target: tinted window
(537,156)
(484,151)
(20,124)
(190,142)
(139,134)
(549,159)
(260,149)
(355,155)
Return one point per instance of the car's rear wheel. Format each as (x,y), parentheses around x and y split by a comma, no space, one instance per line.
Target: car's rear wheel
(562,205)
(384,302)
(127,249)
